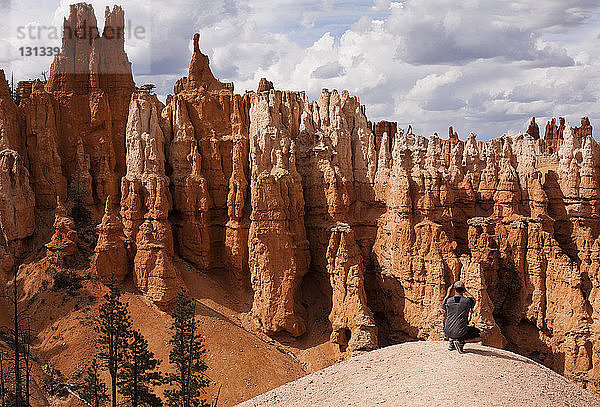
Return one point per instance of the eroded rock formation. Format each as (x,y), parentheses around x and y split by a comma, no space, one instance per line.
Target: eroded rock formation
(278,250)
(110,258)
(17,201)
(334,133)
(533,130)
(146,201)
(352,321)
(390,128)
(63,243)
(264,85)
(200,74)
(554,134)
(530,236)
(207,126)
(9,123)
(41,134)
(81,112)
(269,190)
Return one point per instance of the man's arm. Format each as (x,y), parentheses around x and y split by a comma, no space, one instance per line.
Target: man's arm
(447,296)
(470,297)
(468,294)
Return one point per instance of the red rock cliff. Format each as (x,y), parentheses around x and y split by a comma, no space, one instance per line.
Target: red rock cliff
(146,201)
(86,98)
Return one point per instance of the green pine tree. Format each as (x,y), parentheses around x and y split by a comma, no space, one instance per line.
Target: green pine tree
(189,381)
(114,331)
(93,390)
(139,374)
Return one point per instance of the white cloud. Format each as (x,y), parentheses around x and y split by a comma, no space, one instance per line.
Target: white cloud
(483,66)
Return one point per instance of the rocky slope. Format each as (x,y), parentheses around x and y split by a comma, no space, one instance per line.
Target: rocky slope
(426,374)
(334,235)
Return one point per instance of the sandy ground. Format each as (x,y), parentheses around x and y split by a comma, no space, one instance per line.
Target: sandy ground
(244,362)
(427,374)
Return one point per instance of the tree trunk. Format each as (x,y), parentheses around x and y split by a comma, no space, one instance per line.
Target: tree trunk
(135,385)
(17,361)
(113,385)
(27,374)
(112,363)
(1,378)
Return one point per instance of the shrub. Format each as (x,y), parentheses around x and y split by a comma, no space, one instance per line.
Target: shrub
(65,280)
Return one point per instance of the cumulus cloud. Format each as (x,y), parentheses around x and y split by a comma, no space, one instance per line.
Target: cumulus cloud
(483,66)
(328,71)
(443,32)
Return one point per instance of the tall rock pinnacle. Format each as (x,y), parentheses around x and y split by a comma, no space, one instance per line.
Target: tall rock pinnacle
(81,111)
(200,75)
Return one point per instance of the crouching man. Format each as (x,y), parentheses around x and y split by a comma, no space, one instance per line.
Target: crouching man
(457,313)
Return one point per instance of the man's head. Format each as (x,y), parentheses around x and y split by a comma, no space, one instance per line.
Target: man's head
(459,287)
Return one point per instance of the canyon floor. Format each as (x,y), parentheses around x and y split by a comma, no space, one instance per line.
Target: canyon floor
(245,362)
(427,374)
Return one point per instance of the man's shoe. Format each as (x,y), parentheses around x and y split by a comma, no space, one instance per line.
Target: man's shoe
(451,346)
(459,346)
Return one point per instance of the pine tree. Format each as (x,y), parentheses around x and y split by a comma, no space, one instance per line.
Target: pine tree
(189,380)
(19,334)
(139,374)
(114,330)
(93,390)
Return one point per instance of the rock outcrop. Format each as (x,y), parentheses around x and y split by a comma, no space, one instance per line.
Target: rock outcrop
(278,249)
(554,134)
(533,130)
(110,258)
(10,136)
(146,201)
(45,162)
(200,75)
(389,128)
(352,322)
(17,220)
(529,236)
(84,105)
(334,133)
(17,200)
(207,126)
(264,85)
(63,244)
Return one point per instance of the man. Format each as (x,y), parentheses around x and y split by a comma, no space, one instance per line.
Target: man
(457,312)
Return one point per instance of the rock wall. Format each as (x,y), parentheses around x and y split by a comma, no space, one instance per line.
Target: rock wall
(84,103)
(17,219)
(517,224)
(207,126)
(278,249)
(10,134)
(41,136)
(334,134)
(146,201)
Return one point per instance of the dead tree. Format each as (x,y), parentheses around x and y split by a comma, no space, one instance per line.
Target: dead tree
(2,388)
(28,365)
(20,337)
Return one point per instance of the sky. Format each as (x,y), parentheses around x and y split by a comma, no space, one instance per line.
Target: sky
(481,66)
